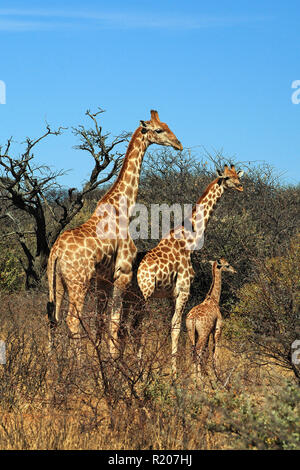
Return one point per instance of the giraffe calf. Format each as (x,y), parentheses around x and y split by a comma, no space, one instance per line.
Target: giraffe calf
(205,319)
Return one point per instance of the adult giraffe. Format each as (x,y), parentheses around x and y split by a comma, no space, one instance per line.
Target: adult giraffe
(166,270)
(102,246)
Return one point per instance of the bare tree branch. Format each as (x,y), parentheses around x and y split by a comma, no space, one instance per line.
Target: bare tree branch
(26,190)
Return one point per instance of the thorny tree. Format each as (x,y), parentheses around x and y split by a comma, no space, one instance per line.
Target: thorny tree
(34,207)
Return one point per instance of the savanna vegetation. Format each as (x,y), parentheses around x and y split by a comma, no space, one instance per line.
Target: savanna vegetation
(51,402)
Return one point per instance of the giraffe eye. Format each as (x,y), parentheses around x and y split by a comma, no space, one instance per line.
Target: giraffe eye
(159,131)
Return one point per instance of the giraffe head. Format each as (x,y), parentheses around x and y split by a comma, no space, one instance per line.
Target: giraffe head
(157,132)
(230,178)
(223,265)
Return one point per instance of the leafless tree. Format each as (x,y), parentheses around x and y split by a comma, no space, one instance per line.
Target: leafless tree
(34,209)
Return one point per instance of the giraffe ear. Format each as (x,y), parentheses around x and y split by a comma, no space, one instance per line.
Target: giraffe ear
(219,263)
(240,173)
(219,173)
(211,262)
(144,127)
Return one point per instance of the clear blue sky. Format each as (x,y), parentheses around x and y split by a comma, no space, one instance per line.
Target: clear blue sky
(219,73)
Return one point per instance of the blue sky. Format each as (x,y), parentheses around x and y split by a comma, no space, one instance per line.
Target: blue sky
(220,74)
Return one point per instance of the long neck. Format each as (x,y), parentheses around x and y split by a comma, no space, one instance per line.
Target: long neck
(126,185)
(215,288)
(206,203)
(195,223)
(202,211)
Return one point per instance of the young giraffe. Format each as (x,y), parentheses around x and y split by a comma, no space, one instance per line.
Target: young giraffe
(206,318)
(102,246)
(166,270)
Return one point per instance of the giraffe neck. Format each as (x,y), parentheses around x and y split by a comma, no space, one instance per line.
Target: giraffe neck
(195,223)
(203,209)
(207,202)
(126,185)
(215,288)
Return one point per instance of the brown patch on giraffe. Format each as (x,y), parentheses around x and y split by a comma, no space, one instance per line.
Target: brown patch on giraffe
(62,245)
(90,243)
(129,191)
(131,167)
(150,262)
(132,249)
(122,186)
(72,247)
(127,177)
(207,191)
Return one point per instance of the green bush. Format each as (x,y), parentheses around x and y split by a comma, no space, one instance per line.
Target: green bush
(267,315)
(273,424)
(11,276)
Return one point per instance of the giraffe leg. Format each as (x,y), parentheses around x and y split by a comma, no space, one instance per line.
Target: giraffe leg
(216,339)
(190,326)
(191,329)
(181,300)
(103,293)
(76,300)
(204,356)
(202,353)
(146,283)
(141,339)
(119,289)
(133,307)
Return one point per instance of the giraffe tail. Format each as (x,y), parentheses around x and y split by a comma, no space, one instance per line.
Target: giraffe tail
(51,282)
(191,329)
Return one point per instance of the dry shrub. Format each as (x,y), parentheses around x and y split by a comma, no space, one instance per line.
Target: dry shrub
(52,401)
(266,320)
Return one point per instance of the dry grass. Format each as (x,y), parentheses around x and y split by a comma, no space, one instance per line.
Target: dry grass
(52,402)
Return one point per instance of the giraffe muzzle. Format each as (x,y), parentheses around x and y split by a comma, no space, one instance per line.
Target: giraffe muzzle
(178,145)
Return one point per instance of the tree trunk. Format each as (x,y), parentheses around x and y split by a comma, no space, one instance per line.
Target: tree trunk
(35,271)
